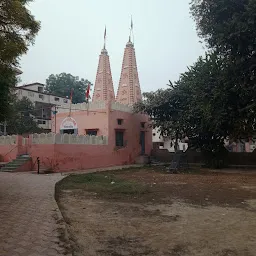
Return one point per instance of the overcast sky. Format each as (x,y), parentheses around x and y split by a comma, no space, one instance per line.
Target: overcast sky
(71,39)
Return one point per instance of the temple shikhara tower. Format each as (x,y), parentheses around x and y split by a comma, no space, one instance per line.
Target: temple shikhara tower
(129,85)
(103,88)
(118,135)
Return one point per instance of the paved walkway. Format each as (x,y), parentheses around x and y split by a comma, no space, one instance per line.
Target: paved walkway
(30,221)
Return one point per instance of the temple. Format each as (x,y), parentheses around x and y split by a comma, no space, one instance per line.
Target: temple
(109,116)
(95,134)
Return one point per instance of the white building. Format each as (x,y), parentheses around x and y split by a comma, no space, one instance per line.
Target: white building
(44,103)
(167,143)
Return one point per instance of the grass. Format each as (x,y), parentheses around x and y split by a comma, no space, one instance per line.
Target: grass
(102,183)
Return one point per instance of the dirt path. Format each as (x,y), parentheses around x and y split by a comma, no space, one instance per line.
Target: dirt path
(31,223)
(183,215)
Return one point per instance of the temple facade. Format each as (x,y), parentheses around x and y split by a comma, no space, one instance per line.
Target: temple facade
(111,115)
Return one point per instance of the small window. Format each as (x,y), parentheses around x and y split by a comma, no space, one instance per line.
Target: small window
(142,124)
(20,92)
(41,96)
(40,89)
(65,100)
(91,132)
(120,121)
(41,122)
(57,99)
(154,134)
(119,139)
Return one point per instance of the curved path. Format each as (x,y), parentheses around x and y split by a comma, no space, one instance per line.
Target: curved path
(30,220)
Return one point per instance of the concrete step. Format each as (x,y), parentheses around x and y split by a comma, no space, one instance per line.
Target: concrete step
(6,170)
(15,164)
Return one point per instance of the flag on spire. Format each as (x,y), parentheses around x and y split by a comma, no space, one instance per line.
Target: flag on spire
(131,23)
(87,94)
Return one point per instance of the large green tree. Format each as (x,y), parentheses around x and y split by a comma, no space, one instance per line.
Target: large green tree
(215,98)
(21,118)
(62,84)
(18,29)
(229,28)
(196,106)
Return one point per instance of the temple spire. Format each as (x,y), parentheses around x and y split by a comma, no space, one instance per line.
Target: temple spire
(103,88)
(129,91)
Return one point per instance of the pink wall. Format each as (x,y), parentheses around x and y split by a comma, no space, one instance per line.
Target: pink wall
(132,128)
(8,152)
(68,157)
(106,122)
(91,120)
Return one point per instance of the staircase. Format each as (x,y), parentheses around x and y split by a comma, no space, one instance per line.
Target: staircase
(16,163)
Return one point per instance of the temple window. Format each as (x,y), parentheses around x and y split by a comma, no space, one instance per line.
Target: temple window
(91,132)
(120,121)
(119,138)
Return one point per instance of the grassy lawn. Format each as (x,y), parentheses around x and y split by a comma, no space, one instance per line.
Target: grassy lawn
(146,211)
(103,184)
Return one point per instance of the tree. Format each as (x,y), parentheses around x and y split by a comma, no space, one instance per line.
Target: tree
(197,106)
(7,82)
(62,84)
(21,119)
(18,29)
(229,29)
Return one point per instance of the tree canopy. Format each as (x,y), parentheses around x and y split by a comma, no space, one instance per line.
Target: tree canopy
(18,29)
(21,118)
(62,84)
(215,98)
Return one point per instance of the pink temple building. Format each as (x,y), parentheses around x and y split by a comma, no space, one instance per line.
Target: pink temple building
(109,115)
(102,133)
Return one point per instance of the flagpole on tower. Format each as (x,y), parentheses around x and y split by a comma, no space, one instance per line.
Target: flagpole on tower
(87,96)
(71,99)
(131,33)
(105,36)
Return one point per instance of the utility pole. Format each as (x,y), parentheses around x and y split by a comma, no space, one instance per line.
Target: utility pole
(55,119)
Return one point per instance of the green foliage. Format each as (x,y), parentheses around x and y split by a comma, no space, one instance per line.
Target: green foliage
(7,83)
(229,29)
(20,120)
(18,29)
(62,84)
(203,106)
(215,98)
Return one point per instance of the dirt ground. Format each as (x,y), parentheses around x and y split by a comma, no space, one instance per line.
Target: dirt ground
(200,214)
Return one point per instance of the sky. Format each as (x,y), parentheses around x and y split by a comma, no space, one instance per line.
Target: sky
(72,36)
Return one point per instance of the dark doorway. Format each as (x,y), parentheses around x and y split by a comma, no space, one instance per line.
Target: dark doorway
(142,142)
(119,138)
(69,131)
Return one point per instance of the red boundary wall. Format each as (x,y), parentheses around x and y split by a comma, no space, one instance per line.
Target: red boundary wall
(69,157)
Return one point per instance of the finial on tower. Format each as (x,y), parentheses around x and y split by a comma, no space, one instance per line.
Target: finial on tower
(131,42)
(104,51)
(105,35)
